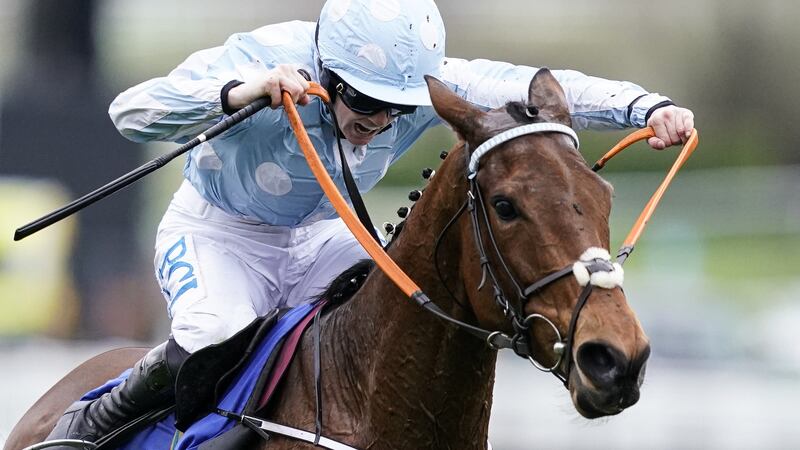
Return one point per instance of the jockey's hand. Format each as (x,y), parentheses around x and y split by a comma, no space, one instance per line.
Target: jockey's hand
(282,78)
(672,124)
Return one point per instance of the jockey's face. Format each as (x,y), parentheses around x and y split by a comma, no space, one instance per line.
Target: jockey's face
(357,128)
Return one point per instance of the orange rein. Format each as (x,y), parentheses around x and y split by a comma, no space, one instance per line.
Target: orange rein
(644,217)
(387,265)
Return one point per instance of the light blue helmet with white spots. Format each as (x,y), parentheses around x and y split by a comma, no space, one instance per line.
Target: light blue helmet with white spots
(383,48)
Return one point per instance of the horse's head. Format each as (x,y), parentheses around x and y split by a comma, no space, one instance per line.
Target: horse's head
(539,210)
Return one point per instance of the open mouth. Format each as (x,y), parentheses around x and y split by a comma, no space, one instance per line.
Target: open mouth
(363,130)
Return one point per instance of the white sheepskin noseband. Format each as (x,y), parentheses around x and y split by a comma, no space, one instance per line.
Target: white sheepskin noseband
(604,279)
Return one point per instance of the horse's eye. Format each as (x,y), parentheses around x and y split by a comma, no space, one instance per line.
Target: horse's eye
(505,209)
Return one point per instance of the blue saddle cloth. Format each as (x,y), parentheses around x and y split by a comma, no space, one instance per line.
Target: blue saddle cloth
(164,435)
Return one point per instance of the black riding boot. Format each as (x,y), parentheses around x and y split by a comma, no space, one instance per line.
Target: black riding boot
(151,385)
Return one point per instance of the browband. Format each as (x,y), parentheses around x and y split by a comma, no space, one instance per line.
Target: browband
(531,128)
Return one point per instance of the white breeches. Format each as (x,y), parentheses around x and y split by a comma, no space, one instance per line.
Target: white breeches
(219,272)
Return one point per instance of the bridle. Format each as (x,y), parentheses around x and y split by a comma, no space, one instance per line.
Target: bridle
(594,261)
(593,268)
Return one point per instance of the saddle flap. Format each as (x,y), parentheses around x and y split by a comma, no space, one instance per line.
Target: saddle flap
(237,437)
(202,374)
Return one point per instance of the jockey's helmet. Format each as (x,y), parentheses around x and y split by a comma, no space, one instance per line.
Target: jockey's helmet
(383,48)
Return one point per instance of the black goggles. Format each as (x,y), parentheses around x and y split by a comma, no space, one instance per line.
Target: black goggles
(364,104)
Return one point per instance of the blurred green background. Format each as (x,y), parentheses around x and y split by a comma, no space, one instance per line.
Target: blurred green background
(715,277)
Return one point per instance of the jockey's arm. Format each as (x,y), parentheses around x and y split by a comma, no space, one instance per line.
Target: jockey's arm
(188,100)
(175,107)
(594,103)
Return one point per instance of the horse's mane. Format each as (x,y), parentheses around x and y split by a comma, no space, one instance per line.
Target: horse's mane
(344,286)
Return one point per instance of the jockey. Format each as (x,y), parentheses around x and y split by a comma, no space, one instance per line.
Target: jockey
(250,229)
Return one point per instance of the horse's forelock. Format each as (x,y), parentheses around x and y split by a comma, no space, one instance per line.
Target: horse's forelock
(523,113)
(504,118)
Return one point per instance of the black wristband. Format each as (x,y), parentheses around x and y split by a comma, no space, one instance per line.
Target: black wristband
(223,96)
(655,107)
(630,106)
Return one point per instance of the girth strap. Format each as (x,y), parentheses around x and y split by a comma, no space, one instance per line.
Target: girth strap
(261,426)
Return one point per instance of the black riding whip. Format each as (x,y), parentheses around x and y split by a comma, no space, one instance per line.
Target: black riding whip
(130,177)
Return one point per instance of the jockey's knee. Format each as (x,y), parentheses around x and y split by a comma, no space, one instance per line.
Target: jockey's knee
(197,330)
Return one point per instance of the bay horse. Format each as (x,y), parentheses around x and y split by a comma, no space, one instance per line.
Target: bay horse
(396,377)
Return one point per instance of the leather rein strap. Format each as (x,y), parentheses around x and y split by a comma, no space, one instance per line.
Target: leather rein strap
(638,227)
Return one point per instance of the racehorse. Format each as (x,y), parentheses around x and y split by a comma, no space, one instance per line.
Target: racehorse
(395,376)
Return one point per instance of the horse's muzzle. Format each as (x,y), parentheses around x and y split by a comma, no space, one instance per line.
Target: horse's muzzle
(610,381)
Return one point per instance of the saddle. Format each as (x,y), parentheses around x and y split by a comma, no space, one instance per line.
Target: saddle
(206,373)
(236,377)
(239,375)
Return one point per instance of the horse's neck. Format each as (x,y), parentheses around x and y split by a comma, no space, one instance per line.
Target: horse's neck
(417,381)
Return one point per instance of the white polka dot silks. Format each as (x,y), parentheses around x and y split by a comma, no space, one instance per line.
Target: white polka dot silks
(374,54)
(385,10)
(272,179)
(338,9)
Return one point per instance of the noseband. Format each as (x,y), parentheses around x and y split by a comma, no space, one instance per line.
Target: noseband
(593,268)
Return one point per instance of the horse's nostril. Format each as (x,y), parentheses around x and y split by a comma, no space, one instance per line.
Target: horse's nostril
(600,362)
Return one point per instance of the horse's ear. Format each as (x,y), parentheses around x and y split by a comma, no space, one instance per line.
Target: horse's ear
(462,116)
(546,93)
